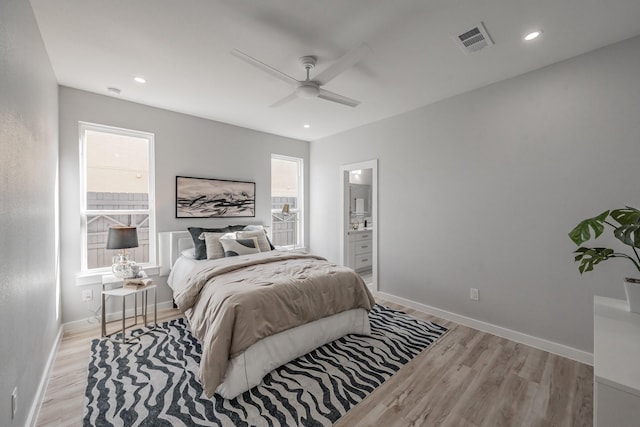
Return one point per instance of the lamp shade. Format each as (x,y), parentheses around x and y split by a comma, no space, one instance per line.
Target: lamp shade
(285,208)
(122,238)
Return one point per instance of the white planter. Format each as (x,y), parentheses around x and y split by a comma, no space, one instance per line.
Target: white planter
(632,290)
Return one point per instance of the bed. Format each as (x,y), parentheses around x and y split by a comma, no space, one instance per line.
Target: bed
(255,312)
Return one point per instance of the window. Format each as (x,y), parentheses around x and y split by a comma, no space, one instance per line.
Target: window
(286,192)
(116,188)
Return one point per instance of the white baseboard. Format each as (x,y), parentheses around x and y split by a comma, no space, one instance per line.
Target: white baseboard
(78,325)
(540,343)
(32,418)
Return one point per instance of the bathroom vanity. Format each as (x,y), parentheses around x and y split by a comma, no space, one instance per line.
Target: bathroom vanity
(361,248)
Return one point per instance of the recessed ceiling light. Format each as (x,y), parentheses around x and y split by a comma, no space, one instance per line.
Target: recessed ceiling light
(306,125)
(140,79)
(533,35)
(113,90)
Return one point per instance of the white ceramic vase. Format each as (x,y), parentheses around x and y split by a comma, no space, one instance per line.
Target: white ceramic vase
(632,289)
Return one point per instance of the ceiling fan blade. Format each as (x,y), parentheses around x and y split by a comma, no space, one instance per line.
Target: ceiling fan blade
(347,60)
(331,96)
(284,100)
(264,67)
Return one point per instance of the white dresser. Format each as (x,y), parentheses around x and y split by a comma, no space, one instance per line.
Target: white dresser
(616,367)
(360,249)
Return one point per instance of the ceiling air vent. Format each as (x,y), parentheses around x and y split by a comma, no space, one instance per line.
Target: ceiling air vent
(474,39)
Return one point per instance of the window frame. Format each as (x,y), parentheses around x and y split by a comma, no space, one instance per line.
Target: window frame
(85,213)
(300,244)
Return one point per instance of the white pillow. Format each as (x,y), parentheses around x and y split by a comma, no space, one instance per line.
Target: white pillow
(189,253)
(212,242)
(263,242)
(235,247)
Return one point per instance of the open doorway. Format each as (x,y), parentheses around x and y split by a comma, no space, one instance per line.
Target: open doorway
(359,219)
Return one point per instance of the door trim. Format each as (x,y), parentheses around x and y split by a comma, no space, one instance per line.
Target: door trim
(344,216)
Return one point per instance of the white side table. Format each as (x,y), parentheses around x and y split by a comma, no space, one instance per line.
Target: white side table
(616,350)
(124,293)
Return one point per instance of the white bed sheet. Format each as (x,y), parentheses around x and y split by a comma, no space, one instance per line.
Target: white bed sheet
(179,272)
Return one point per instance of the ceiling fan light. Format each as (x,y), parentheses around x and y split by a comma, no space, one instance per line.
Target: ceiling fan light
(307,91)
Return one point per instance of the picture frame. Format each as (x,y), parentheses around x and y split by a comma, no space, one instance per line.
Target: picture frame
(214,198)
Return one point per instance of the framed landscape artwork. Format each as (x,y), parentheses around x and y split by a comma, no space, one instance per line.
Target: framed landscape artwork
(214,198)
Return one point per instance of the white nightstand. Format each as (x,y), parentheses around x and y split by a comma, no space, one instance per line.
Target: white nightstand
(116,290)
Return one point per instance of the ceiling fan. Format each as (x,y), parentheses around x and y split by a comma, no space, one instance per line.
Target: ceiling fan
(309,88)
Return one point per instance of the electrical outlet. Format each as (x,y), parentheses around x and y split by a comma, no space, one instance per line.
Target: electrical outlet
(14,402)
(473,294)
(87,295)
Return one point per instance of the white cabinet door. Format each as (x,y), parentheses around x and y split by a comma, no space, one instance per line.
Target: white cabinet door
(361,246)
(616,351)
(352,255)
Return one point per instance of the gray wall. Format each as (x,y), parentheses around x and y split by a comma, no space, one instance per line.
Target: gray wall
(184,145)
(28,159)
(481,189)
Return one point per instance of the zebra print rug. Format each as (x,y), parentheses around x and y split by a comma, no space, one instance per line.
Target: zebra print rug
(154,382)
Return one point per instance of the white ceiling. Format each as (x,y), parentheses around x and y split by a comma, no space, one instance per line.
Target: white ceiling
(182,49)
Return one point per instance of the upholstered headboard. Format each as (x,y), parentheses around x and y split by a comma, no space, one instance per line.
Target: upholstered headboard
(170,246)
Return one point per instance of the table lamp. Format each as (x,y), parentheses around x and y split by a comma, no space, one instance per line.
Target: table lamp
(122,238)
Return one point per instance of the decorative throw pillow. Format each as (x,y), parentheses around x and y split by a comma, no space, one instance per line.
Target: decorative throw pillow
(256,228)
(235,247)
(263,241)
(199,244)
(214,247)
(236,227)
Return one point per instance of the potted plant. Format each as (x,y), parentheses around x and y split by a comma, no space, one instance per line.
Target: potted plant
(625,224)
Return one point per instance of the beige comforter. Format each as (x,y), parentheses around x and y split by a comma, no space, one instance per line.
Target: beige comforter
(232,303)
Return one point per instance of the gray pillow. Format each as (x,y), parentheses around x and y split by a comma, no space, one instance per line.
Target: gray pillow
(199,244)
(214,247)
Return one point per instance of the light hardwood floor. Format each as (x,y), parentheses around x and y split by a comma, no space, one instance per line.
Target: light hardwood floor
(468,378)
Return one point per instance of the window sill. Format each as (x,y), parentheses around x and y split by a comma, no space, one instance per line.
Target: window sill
(95,277)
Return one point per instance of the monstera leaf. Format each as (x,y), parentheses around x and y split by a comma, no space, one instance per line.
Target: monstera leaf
(628,231)
(626,216)
(589,257)
(582,232)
